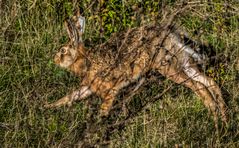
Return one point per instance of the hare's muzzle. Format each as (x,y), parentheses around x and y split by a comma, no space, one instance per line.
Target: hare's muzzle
(57,59)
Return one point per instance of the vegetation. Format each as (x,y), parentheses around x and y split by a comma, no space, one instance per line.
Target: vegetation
(31,32)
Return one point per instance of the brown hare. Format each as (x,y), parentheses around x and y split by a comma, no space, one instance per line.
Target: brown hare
(126,57)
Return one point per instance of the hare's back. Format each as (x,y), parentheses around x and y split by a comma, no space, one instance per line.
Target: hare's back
(127,45)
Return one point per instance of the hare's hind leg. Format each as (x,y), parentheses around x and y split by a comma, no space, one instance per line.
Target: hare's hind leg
(193,73)
(180,77)
(68,99)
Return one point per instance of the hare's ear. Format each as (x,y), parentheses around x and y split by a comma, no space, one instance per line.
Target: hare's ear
(80,24)
(75,27)
(68,29)
(72,32)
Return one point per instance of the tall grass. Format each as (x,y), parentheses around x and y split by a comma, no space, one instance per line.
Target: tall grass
(31,31)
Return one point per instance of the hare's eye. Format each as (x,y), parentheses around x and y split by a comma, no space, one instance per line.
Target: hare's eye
(63,50)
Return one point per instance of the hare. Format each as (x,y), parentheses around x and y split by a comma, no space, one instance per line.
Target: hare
(126,57)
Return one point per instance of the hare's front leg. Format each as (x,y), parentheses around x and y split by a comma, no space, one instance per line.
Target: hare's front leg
(68,99)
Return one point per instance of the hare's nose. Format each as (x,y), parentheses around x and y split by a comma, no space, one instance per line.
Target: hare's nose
(57,59)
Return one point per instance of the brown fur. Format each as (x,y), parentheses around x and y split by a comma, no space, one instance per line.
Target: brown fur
(126,56)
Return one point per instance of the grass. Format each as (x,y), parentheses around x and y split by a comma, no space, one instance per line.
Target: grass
(31,32)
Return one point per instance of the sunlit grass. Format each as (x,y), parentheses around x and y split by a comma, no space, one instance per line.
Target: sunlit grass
(30,34)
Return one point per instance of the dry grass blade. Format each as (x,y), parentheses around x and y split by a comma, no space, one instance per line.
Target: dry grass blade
(146,114)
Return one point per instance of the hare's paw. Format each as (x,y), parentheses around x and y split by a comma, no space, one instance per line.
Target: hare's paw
(104,109)
(63,101)
(47,105)
(106,106)
(104,112)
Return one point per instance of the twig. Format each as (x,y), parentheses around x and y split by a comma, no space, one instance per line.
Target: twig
(135,113)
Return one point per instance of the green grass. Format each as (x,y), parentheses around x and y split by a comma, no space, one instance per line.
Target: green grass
(32,31)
